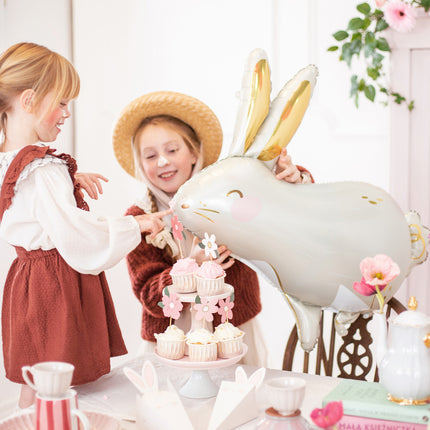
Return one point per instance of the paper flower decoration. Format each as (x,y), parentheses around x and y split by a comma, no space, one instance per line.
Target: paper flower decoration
(210,246)
(205,308)
(225,308)
(177,228)
(171,305)
(400,15)
(328,416)
(377,273)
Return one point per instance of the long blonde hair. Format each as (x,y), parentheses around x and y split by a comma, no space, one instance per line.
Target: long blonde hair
(30,66)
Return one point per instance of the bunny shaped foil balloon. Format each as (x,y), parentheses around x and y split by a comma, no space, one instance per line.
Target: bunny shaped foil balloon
(313,236)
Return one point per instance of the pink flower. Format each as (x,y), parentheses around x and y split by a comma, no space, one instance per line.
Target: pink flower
(400,15)
(177,228)
(379,270)
(327,416)
(379,3)
(172,306)
(225,309)
(206,308)
(366,289)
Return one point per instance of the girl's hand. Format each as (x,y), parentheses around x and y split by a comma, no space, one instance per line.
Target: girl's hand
(199,254)
(90,182)
(152,223)
(286,170)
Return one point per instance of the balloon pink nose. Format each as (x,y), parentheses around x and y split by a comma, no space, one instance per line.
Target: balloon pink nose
(185,206)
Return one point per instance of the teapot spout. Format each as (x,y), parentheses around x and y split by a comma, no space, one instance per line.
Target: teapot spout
(381,344)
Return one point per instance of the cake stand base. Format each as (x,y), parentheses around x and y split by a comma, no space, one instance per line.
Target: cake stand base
(199,386)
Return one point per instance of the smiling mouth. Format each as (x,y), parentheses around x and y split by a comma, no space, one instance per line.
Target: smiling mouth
(167,175)
(205,216)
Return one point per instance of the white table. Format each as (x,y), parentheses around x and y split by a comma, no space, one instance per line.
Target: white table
(114,394)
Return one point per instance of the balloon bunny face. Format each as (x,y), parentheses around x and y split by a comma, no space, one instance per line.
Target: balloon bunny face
(314,236)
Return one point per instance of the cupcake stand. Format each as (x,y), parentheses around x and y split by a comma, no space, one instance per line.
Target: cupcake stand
(200,384)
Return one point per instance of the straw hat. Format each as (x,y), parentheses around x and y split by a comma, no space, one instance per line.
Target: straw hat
(186,108)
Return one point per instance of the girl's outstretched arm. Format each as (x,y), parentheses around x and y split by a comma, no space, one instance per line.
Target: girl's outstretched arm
(90,182)
(289,172)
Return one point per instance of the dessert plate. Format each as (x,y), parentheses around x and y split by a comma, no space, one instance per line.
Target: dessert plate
(98,421)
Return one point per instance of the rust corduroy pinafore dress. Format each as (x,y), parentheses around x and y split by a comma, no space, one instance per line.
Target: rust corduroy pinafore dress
(51,312)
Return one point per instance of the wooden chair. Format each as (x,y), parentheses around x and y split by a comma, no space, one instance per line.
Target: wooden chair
(353,356)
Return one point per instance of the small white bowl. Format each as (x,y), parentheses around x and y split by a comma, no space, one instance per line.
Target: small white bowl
(285,394)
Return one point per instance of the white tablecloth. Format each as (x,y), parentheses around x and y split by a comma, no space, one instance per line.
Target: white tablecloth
(114,394)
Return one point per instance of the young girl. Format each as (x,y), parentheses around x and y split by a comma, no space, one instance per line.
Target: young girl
(56,301)
(163,139)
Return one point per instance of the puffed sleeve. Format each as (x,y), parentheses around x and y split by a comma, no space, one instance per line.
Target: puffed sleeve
(87,242)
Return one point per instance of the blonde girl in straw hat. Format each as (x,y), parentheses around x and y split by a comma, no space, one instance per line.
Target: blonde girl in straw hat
(162,139)
(56,301)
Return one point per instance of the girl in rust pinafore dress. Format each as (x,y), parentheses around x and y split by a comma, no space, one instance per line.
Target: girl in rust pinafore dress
(50,311)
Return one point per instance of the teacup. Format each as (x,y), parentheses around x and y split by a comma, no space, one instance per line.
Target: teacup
(60,413)
(50,378)
(285,394)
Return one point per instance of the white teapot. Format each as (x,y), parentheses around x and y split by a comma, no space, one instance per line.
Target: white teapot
(404,364)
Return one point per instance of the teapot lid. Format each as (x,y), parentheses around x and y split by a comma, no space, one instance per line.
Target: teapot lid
(412,317)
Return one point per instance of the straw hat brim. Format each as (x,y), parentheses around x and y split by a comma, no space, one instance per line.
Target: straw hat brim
(188,109)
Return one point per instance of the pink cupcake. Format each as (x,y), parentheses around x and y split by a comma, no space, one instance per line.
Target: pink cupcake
(210,279)
(182,274)
(171,343)
(202,345)
(230,340)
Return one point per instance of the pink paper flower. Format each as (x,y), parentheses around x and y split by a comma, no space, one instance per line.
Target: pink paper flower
(379,270)
(366,289)
(172,306)
(400,15)
(327,416)
(177,228)
(225,309)
(379,3)
(206,308)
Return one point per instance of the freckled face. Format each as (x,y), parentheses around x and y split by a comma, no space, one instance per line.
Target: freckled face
(47,127)
(165,157)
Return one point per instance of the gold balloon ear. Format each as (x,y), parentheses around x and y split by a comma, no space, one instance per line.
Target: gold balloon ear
(259,101)
(288,122)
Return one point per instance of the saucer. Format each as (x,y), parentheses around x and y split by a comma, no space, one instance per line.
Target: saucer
(98,421)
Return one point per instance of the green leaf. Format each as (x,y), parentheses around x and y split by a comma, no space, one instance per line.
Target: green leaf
(201,245)
(373,73)
(161,304)
(383,90)
(232,297)
(411,105)
(197,299)
(166,292)
(356,46)
(347,53)
(382,44)
(333,48)
(377,59)
(381,25)
(369,49)
(356,36)
(366,23)
(426,5)
(398,98)
(369,92)
(183,235)
(361,85)
(364,8)
(340,35)
(354,84)
(355,24)
(369,37)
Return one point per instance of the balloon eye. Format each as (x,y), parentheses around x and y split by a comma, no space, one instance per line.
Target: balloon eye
(185,206)
(235,191)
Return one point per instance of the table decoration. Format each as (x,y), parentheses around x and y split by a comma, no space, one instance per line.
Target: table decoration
(328,416)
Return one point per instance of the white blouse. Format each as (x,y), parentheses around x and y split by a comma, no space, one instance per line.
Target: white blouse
(43,215)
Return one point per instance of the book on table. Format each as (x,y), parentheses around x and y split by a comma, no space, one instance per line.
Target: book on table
(354,422)
(369,399)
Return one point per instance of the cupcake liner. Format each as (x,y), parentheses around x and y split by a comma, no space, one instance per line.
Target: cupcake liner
(198,352)
(210,287)
(169,348)
(183,283)
(230,347)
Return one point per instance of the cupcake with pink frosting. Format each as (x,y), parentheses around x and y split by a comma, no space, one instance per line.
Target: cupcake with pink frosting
(210,279)
(182,274)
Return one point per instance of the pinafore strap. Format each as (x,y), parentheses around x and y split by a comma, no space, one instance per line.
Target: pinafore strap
(25,157)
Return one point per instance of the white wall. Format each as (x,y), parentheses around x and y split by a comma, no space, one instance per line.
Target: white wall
(124,49)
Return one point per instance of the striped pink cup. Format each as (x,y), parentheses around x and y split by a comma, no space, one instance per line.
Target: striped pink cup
(60,413)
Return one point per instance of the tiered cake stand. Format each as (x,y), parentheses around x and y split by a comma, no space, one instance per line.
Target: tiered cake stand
(200,384)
